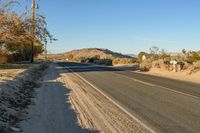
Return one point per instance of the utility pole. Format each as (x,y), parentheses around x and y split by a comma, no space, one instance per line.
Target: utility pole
(45,51)
(33,31)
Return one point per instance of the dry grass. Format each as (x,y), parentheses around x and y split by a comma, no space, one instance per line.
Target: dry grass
(10,71)
(14,66)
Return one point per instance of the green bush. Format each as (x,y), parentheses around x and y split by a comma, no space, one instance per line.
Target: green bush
(193,57)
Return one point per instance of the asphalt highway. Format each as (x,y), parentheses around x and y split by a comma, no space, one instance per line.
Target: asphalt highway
(164,105)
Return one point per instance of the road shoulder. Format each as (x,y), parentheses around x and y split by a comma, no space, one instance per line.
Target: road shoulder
(182,76)
(95,111)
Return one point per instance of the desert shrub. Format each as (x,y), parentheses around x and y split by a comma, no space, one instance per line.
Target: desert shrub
(92,60)
(97,57)
(70,57)
(82,59)
(132,60)
(123,61)
(186,66)
(116,61)
(3,59)
(140,55)
(159,64)
(76,60)
(195,67)
(146,65)
(193,57)
(97,60)
(107,62)
(154,53)
(167,58)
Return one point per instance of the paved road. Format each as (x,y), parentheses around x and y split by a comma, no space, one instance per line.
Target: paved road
(165,105)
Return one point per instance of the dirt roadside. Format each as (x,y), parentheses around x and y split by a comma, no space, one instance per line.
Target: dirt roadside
(10,74)
(16,94)
(184,76)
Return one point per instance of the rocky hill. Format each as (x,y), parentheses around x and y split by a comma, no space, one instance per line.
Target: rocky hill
(93,55)
(94,52)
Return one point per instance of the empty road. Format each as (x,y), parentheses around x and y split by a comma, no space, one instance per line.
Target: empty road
(164,105)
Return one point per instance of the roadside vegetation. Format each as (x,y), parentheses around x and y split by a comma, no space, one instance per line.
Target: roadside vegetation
(108,61)
(18,77)
(16,33)
(186,60)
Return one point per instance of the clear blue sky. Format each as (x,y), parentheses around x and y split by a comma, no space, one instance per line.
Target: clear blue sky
(126,26)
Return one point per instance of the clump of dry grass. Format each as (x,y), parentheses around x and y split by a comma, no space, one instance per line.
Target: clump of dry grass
(159,64)
(146,65)
(10,71)
(195,67)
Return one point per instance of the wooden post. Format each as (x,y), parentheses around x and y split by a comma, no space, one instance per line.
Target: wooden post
(33,31)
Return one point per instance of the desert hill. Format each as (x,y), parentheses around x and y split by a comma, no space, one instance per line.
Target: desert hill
(95,52)
(93,55)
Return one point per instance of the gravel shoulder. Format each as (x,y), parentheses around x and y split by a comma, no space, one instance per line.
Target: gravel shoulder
(95,111)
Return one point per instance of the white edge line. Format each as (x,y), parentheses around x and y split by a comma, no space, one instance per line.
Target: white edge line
(185,94)
(166,88)
(119,106)
(139,81)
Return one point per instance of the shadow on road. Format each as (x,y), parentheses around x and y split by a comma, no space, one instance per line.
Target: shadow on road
(78,67)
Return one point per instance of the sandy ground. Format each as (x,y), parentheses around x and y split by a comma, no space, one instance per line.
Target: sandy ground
(65,103)
(184,76)
(11,71)
(125,65)
(9,74)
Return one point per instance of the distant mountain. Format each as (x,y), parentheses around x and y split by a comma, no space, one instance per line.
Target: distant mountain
(133,55)
(92,52)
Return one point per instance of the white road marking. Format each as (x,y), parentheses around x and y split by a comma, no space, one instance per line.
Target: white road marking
(189,95)
(119,106)
(166,88)
(137,80)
